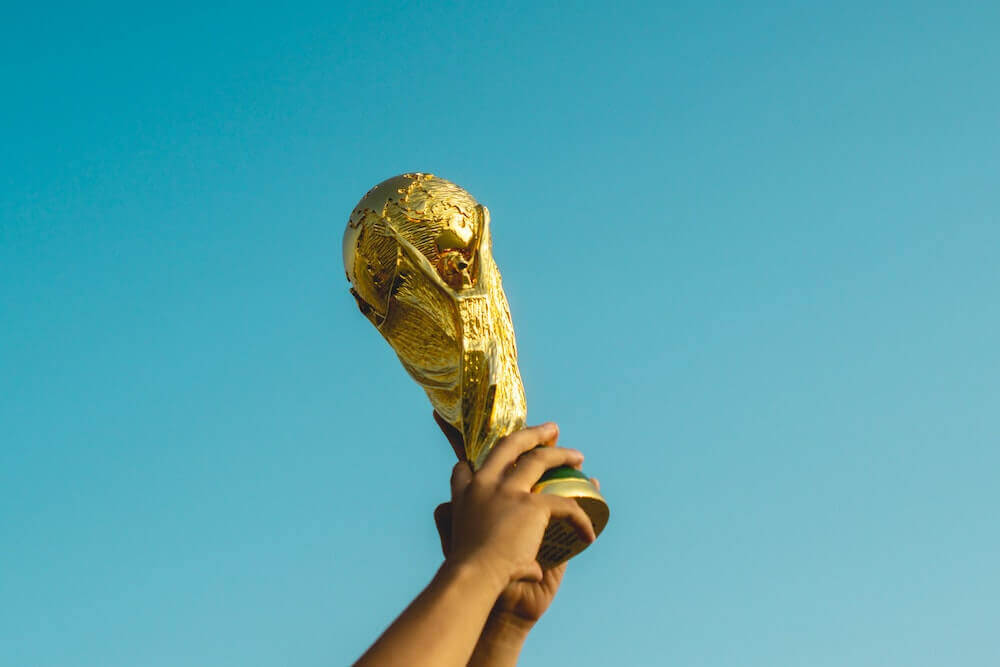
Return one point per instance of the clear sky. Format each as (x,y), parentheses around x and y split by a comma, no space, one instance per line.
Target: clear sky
(751,255)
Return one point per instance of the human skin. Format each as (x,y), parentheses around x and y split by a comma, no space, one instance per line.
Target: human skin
(497,526)
(520,605)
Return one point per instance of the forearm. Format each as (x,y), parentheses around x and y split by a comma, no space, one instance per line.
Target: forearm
(441,626)
(501,641)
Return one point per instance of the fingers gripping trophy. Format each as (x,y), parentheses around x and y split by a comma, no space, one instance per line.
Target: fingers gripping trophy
(418,253)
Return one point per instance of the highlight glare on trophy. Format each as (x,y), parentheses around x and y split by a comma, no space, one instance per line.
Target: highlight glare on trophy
(418,253)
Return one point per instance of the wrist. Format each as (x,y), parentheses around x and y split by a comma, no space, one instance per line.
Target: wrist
(501,641)
(483,571)
(507,627)
(493,572)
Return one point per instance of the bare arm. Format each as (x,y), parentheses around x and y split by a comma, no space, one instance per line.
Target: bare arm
(496,528)
(521,604)
(441,626)
(500,643)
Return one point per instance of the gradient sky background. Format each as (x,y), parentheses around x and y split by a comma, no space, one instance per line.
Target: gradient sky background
(751,255)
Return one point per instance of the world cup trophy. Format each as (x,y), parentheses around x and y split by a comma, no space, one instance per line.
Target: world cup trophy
(418,253)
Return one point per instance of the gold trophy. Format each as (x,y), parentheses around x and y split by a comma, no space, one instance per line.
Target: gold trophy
(418,253)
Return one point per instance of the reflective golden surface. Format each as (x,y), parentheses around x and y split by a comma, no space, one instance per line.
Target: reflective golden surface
(418,253)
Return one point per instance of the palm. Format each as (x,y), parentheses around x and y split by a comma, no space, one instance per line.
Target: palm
(528,600)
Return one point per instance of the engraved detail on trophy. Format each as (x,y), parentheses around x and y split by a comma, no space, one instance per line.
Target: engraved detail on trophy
(418,253)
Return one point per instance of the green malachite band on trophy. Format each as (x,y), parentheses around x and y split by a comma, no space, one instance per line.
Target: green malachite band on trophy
(562,472)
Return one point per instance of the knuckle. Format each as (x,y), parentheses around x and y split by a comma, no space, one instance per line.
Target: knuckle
(508,485)
(570,505)
(534,455)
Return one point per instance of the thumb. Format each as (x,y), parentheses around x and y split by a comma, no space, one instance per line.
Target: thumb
(461,475)
(531,572)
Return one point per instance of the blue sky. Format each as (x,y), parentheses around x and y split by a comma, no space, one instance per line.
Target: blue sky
(751,256)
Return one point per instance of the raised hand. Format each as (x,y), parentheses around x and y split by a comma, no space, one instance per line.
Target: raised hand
(522,602)
(495,525)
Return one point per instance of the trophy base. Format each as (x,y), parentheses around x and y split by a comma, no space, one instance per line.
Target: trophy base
(561,541)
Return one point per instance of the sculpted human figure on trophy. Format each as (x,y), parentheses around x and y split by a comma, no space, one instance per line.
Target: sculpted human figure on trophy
(418,253)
